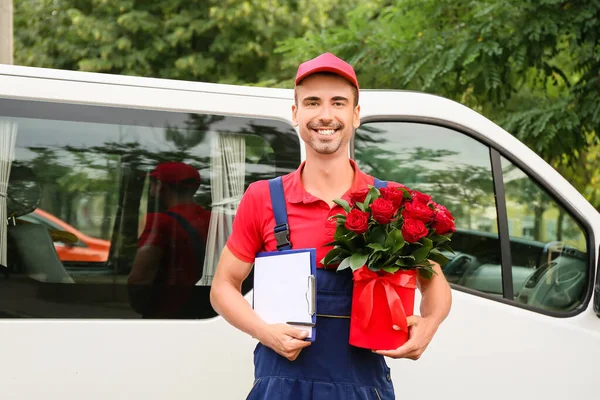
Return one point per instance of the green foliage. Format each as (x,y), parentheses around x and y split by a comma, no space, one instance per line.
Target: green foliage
(228,41)
(532,66)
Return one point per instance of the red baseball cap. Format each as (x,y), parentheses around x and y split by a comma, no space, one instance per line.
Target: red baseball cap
(173,172)
(327,62)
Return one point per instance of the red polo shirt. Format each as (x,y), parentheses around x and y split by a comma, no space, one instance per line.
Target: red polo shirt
(179,267)
(179,257)
(308,217)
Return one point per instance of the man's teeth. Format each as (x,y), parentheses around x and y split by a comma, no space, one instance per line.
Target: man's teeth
(326,131)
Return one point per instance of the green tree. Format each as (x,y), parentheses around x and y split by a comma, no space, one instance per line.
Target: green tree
(226,41)
(532,66)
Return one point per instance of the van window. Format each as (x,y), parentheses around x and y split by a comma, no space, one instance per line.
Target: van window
(548,248)
(452,168)
(546,243)
(122,213)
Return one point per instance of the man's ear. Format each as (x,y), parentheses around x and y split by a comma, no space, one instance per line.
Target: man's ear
(356,117)
(295,115)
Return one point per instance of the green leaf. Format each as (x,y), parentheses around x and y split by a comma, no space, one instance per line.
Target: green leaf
(438,258)
(374,259)
(391,269)
(377,247)
(361,206)
(344,235)
(439,239)
(447,248)
(372,194)
(334,243)
(333,254)
(395,241)
(377,235)
(422,253)
(338,217)
(344,264)
(405,261)
(343,203)
(358,260)
(425,273)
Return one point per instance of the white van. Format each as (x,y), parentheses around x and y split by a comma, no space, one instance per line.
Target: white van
(524,322)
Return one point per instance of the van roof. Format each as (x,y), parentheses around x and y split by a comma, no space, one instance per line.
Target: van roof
(149,82)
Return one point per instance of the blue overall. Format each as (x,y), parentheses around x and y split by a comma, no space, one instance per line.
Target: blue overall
(330,368)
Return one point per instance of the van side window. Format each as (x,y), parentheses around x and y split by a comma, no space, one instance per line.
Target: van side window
(122,213)
(548,248)
(546,243)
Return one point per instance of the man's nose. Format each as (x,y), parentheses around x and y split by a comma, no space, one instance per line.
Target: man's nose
(326,114)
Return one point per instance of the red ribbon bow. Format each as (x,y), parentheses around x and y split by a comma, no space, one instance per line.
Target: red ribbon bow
(365,300)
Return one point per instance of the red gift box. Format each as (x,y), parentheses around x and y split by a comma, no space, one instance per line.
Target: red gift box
(379,302)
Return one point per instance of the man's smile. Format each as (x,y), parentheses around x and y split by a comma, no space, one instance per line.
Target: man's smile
(325,131)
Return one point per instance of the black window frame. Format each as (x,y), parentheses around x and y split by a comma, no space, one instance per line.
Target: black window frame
(597,290)
(498,182)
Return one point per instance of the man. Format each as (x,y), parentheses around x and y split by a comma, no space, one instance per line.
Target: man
(171,249)
(326,111)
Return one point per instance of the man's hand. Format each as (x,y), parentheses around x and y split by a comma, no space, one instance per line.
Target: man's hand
(420,331)
(285,340)
(435,306)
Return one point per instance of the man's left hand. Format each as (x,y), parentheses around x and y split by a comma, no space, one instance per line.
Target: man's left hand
(420,333)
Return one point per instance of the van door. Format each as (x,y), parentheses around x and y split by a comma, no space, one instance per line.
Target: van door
(522,324)
(81,209)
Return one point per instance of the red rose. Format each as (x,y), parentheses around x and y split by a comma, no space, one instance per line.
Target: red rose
(443,225)
(418,210)
(414,230)
(357,221)
(441,209)
(419,197)
(359,196)
(443,221)
(395,195)
(383,210)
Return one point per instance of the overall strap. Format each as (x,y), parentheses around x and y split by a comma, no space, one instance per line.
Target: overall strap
(197,243)
(380,184)
(282,229)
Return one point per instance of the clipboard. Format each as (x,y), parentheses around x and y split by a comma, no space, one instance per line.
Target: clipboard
(285,288)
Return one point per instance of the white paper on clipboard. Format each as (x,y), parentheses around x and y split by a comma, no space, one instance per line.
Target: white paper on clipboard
(284,288)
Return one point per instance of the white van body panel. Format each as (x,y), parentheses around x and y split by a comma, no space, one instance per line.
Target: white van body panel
(485,349)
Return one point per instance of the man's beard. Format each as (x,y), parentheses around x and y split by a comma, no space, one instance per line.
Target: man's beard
(326,147)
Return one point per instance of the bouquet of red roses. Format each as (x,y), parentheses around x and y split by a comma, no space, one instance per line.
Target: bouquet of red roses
(386,237)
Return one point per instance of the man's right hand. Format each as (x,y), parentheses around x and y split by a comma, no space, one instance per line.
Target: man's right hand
(285,340)
(227,300)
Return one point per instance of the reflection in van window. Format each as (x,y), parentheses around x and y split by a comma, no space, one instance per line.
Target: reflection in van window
(119,213)
(456,171)
(548,248)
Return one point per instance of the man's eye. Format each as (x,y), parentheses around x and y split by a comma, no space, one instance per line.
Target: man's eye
(311,103)
(338,104)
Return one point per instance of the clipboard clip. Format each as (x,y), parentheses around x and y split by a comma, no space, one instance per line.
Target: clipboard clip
(312,292)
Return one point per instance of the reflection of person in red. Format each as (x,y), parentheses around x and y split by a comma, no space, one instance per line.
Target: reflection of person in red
(171,248)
